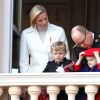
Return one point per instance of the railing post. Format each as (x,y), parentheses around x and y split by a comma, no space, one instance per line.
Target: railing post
(71,91)
(34,92)
(91,91)
(53,91)
(14,91)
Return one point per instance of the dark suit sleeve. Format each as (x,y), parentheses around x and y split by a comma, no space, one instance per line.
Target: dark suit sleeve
(46,69)
(77,50)
(96,42)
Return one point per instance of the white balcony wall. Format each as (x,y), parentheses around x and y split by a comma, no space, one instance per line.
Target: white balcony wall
(53,82)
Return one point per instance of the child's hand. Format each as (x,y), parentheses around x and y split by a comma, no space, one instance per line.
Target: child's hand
(81,54)
(80,58)
(96,53)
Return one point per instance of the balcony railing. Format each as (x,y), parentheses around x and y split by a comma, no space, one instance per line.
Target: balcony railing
(11,84)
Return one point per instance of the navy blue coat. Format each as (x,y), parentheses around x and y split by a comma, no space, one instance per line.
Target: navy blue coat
(52,65)
(87,69)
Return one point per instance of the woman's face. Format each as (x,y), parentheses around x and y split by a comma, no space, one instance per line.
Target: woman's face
(41,21)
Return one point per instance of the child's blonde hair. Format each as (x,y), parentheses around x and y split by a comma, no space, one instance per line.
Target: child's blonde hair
(58,46)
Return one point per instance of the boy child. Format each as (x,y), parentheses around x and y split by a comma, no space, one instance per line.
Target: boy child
(60,63)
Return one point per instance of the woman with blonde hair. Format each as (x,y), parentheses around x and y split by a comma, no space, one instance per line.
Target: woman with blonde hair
(36,41)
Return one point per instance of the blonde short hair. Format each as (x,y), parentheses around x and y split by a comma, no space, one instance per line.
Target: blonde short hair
(58,46)
(35,11)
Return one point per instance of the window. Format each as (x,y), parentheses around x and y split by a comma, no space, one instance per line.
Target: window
(16,32)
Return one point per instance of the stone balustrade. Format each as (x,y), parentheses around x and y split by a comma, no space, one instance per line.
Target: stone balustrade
(53,82)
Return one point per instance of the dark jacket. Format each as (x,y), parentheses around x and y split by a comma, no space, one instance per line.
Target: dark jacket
(52,65)
(87,69)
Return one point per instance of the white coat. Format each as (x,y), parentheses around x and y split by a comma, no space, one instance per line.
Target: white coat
(31,44)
